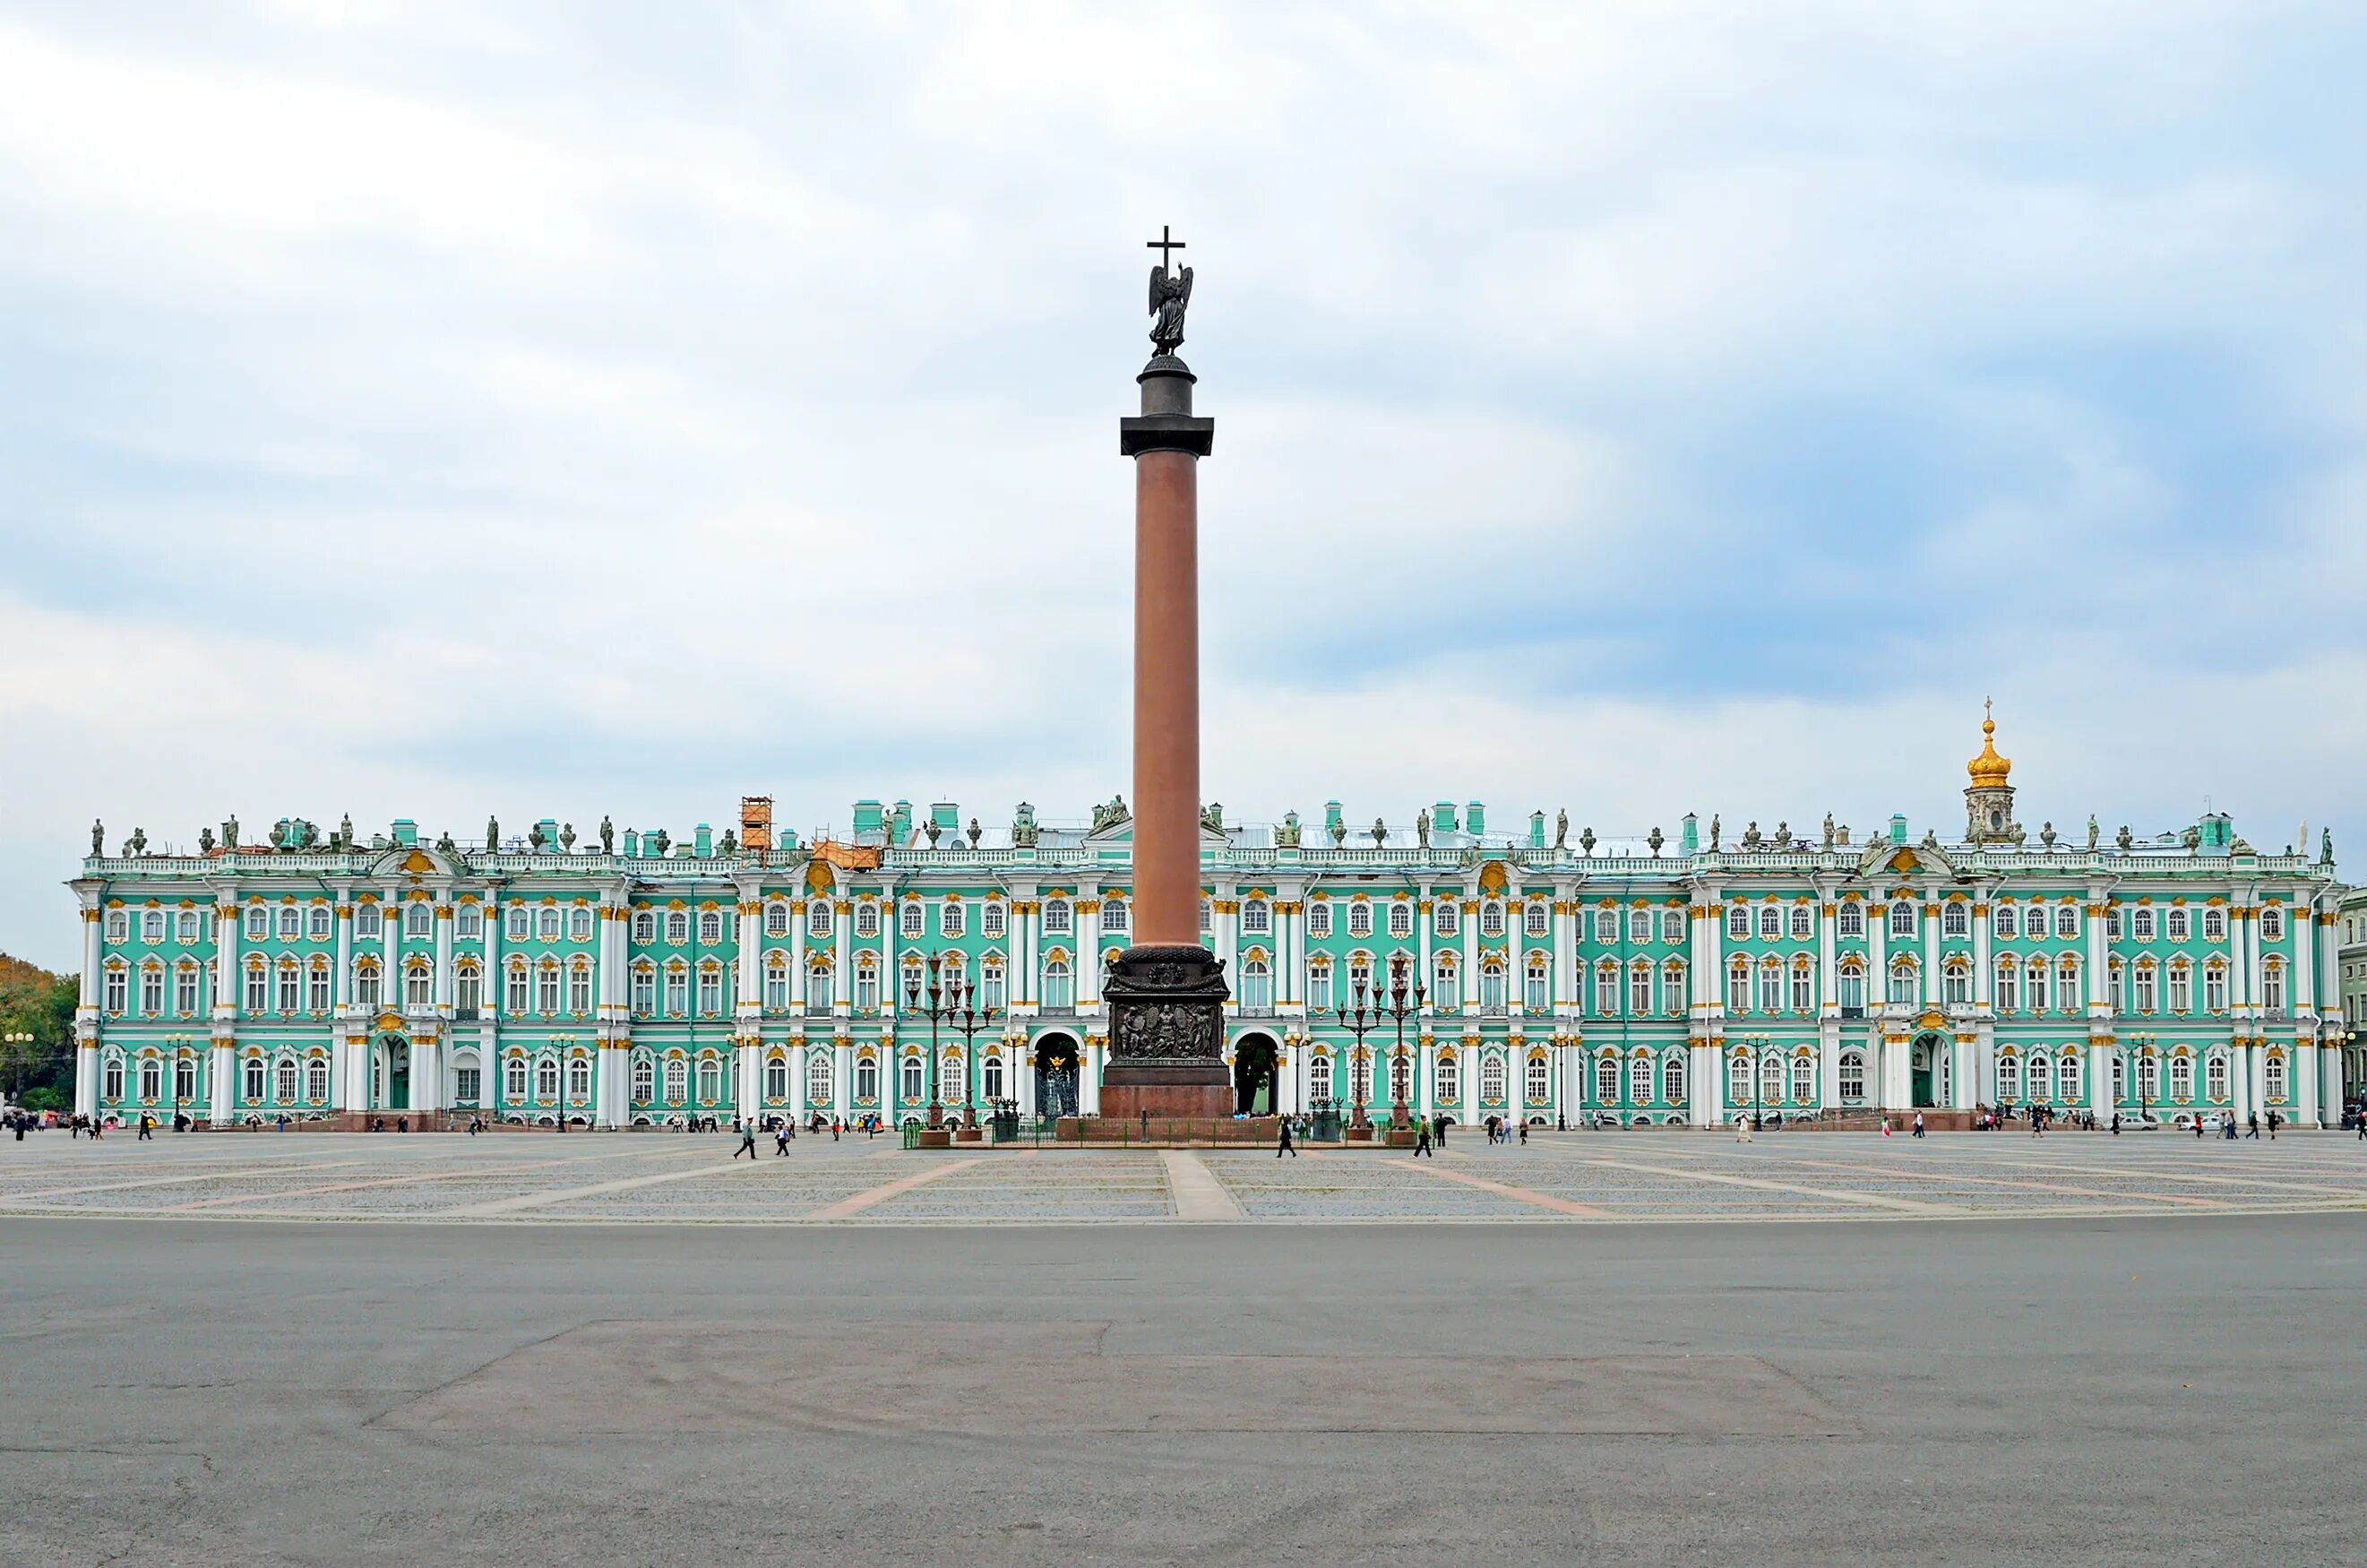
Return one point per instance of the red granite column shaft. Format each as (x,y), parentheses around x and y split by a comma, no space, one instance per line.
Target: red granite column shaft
(1166,698)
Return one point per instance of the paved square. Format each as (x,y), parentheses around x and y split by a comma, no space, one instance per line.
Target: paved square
(1555,1178)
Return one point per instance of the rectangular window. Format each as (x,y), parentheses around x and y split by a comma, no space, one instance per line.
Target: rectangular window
(1639,992)
(152,992)
(258,991)
(578,991)
(185,993)
(1257,917)
(317,999)
(677,987)
(1802,991)
(2181,991)
(645,991)
(468,924)
(516,1000)
(711,991)
(546,990)
(1606,926)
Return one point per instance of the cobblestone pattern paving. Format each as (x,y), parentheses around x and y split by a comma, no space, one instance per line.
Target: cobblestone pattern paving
(1575,1178)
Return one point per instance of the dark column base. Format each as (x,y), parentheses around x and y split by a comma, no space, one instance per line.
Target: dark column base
(1167,1032)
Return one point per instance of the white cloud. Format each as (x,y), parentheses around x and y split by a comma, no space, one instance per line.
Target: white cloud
(491,408)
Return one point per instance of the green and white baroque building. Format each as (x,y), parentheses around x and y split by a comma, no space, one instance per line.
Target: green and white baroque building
(1668,982)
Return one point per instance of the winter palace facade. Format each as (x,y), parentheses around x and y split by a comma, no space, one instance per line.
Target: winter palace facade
(640,981)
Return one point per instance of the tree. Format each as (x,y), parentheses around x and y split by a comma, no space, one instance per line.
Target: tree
(37,1003)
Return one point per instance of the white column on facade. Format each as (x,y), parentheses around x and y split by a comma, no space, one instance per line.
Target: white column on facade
(1424,922)
(444,977)
(221,1084)
(87,1011)
(798,908)
(1877,976)
(841,1077)
(2099,1080)
(1984,928)
(390,967)
(797,1078)
(1564,958)
(1927,900)
(1089,1074)
(2239,966)
(1829,993)
(1224,912)
(842,994)
(891,926)
(226,958)
(1470,899)
(751,1082)
(750,948)
(343,980)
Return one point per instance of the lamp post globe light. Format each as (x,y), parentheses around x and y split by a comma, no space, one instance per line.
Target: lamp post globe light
(17,1041)
(968,1020)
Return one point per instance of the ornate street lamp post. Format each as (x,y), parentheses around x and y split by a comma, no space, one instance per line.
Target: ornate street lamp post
(961,1008)
(1758,1044)
(180,1044)
(1360,1017)
(2140,1047)
(1400,1009)
(939,1008)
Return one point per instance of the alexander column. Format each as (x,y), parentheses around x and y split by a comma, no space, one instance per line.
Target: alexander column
(1166,992)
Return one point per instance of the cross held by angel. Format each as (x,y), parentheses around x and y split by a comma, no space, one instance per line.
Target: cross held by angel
(1170,292)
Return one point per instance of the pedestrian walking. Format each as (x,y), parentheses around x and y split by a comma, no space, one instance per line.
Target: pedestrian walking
(2273,1126)
(1421,1143)
(1918,1124)
(780,1141)
(147,1130)
(2254,1118)
(747,1142)
(1282,1142)
(1525,1132)
(1742,1129)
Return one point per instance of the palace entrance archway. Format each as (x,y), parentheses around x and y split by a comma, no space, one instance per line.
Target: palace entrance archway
(1253,1075)
(1055,1076)
(1928,1074)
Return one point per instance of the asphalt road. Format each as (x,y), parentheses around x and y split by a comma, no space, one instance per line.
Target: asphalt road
(2089,1391)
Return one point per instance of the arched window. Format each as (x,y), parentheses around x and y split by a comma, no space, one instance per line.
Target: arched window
(2181,1077)
(1956,982)
(819,977)
(1058,920)
(1606,1080)
(1448,1079)
(645,927)
(1446,920)
(419,920)
(2041,1072)
(1771,924)
(644,1080)
(2069,1077)
(1737,1078)
(1804,1079)
(866,1081)
(1955,919)
(1536,919)
(579,923)
(1061,986)
(990,1075)
(1257,983)
(1540,1085)
(1401,1078)
(2149,1076)
(2008,1077)
(2174,924)
(1446,989)
(910,920)
(1400,919)
(1737,923)
(909,1090)
(710,1080)
(777,918)
(546,1078)
(677,926)
(316,1080)
(2002,922)
(513,1079)
(1850,921)
(1902,981)
(1639,1079)
(2214,924)
(1853,1077)
(1360,919)
(710,926)
(253,1076)
(1902,918)
(2214,1075)
(1672,1077)
(1771,1078)
(369,925)
(1853,988)
(1491,985)
(2141,924)
(1114,918)
(2067,922)
(1535,979)
(819,1074)
(1491,918)
(2272,923)
(579,1077)
(1257,917)
(1491,1078)
(2272,1077)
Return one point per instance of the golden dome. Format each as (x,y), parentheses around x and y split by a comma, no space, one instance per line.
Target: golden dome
(1988,769)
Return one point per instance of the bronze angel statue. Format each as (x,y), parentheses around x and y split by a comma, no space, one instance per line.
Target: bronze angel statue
(1169,293)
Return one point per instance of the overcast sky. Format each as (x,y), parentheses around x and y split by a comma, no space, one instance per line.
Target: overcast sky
(564,409)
